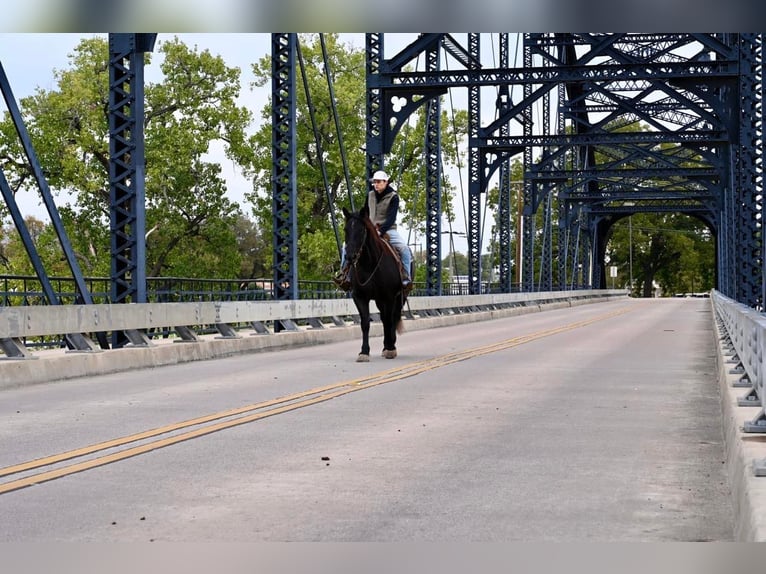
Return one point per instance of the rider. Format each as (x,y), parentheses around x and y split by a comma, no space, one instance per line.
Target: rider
(383,203)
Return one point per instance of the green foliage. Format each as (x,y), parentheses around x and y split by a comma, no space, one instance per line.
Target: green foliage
(189,219)
(254,249)
(675,251)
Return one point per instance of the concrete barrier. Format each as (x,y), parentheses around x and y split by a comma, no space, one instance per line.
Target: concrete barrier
(744,451)
(421,313)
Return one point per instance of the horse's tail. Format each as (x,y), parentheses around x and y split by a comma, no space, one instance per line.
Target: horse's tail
(400,323)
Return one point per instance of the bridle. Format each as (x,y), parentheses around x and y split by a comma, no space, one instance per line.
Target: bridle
(358,254)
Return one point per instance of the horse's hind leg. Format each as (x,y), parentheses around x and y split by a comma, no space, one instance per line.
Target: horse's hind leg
(389,341)
(389,332)
(364,320)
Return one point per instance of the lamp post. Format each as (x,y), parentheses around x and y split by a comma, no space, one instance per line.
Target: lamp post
(630,241)
(452,249)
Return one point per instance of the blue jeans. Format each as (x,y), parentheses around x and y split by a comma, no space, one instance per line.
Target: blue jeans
(404,251)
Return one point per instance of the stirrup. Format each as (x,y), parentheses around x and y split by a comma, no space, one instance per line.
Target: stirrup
(342,280)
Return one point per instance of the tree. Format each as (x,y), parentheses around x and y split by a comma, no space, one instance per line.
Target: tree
(674,250)
(254,249)
(13,255)
(190,221)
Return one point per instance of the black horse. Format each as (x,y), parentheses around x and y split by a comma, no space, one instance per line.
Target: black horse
(375,276)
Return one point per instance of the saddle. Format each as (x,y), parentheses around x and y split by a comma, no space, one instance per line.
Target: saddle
(343,281)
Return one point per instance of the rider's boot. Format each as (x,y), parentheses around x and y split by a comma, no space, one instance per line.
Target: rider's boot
(342,279)
(407,283)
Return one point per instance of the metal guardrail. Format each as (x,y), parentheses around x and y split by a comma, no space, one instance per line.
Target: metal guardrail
(186,320)
(27,291)
(744,341)
(745,336)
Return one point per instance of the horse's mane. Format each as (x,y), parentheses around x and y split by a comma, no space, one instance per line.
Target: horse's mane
(372,231)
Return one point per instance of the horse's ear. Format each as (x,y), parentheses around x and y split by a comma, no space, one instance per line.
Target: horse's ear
(365,211)
(346,212)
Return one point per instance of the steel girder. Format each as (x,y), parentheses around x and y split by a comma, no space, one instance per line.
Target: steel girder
(376,127)
(623,72)
(760,143)
(476,181)
(530,201)
(748,262)
(433,185)
(126,169)
(284,182)
(701,152)
(505,186)
(702,137)
(562,245)
(15,347)
(42,184)
(545,282)
(689,134)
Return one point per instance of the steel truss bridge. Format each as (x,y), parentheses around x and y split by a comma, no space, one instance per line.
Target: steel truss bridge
(698,98)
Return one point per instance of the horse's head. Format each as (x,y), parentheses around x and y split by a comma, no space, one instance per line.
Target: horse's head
(359,231)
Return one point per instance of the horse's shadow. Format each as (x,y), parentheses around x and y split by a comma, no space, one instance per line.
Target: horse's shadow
(375,276)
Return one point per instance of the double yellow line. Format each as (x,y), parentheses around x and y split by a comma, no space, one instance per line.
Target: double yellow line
(226,419)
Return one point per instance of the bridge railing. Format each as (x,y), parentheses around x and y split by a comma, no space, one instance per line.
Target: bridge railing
(27,290)
(744,340)
(186,320)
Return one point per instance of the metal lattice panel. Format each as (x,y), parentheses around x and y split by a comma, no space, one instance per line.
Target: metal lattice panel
(283,116)
(749,190)
(375,128)
(433,186)
(126,169)
(530,186)
(475,180)
(505,187)
(122,121)
(697,151)
(603,168)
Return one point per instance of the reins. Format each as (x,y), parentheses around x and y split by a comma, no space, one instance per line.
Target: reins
(358,255)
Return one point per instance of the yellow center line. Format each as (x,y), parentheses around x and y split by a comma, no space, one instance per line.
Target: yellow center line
(288,403)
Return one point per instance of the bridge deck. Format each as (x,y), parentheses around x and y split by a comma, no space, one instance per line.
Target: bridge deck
(597,422)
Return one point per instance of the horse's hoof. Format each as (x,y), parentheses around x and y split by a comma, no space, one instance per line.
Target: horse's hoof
(389,353)
(362,358)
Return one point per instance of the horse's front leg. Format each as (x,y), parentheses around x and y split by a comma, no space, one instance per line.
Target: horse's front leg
(364,319)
